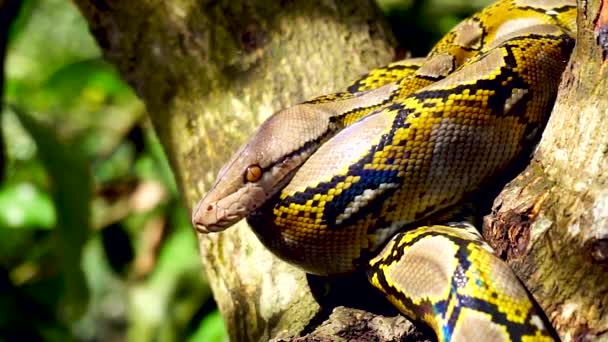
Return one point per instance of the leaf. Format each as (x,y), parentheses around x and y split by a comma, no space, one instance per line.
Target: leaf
(42,44)
(84,83)
(71,190)
(21,20)
(25,206)
(211,329)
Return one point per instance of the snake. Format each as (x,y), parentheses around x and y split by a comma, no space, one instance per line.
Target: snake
(372,177)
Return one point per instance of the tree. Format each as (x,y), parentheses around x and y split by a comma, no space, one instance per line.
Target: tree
(550,222)
(210,71)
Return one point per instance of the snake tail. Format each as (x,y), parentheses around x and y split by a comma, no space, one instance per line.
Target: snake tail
(449,278)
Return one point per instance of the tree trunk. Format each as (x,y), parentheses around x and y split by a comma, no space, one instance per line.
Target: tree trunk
(551,222)
(211,71)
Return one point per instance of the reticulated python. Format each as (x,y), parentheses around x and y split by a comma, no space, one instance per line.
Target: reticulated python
(349,180)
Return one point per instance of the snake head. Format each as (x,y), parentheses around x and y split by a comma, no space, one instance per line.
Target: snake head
(262,166)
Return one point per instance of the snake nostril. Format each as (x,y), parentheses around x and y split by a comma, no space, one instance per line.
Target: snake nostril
(210,207)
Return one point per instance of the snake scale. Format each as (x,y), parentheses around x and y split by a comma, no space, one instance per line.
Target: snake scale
(367,178)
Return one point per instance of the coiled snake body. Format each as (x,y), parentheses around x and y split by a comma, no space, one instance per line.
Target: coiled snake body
(350,180)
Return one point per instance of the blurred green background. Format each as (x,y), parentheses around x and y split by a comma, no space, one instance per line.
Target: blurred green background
(94,242)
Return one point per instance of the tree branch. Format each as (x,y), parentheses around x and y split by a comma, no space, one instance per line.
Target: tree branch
(211,71)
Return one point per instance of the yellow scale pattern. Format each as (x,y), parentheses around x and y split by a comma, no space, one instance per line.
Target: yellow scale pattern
(515,305)
(413,149)
(403,73)
(456,120)
(374,79)
(465,109)
(486,279)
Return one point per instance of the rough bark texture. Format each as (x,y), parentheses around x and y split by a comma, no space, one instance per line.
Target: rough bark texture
(551,223)
(211,71)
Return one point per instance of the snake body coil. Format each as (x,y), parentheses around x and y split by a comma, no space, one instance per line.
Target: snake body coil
(345,181)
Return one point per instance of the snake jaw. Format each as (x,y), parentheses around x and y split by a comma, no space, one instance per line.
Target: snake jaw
(211,218)
(211,215)
(218,211)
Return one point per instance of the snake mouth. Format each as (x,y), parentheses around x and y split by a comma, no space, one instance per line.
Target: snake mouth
(212,217)
(218,211)
(204,229)
(212,228)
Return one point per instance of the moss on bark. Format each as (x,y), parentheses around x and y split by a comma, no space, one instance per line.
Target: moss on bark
(211,71)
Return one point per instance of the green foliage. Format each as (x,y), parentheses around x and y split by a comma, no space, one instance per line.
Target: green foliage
(24,206)
(71,195)
(211,329)
(94,244)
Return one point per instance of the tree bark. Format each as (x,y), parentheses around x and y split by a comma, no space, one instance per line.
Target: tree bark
(551,222)
(211,71)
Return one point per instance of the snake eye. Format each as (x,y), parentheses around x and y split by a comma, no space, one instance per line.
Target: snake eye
(253,173)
